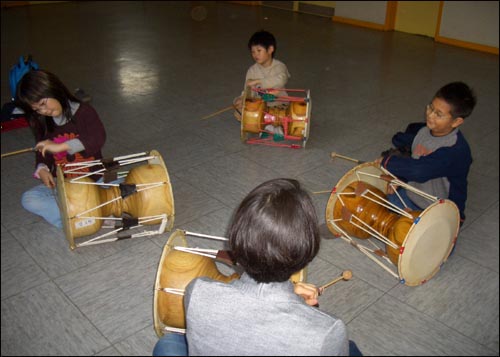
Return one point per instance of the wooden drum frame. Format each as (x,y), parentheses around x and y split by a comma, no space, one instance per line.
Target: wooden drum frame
(417,242)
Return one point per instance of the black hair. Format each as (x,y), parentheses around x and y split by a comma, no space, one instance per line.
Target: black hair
(36,85)
(460,97)
(264,39)
(274,232)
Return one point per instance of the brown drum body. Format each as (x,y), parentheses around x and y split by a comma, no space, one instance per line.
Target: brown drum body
(398,233)
(175,271)
(253,115)
(150,202)
(371,213)
(388,224)
(178,270)
(298,114)
(424,241)
(79,198)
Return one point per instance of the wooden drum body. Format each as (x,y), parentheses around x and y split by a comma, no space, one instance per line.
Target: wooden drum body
(281,121)
(298,115)
(252,119)
(175,271)
(417,242)
(84,204)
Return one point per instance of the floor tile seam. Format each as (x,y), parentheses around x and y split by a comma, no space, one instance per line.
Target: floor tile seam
(204,162)
(469,223)
(295,174)
(50,278)
(185,182)
(69,301)
(89,320)
(481,265)
(197,219)
(99,259)
(150,327)
(358,315)
(437,320)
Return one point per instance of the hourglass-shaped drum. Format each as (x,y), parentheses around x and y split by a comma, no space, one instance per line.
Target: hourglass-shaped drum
(178,266)
(417,242)
(284,121)
(144,198)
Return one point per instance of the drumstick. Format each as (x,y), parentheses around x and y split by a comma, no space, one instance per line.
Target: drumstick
(333,155)
(18,152)
(346,275)
(218,112)
(317,192)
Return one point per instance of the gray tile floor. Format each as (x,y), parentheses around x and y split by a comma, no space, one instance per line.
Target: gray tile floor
(155,69)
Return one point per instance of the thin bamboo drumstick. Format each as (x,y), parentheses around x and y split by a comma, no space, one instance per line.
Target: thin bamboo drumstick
(218,112)
(327,191)
(333,155)
(18,152)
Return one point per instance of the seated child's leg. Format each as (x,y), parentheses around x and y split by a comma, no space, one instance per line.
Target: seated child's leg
(41,201)
(394,199)
(171,344)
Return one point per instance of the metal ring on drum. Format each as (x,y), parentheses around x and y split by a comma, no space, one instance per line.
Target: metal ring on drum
(178,266)
(417,242)
(144,198)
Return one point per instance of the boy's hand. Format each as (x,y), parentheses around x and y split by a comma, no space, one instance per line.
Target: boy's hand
(308,292)
(253,82)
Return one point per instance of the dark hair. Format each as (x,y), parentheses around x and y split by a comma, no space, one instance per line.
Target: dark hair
(460,97)
(37,85)
(274,232)
(264,39)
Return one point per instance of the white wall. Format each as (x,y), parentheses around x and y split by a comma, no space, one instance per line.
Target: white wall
(370,11)
(470,21)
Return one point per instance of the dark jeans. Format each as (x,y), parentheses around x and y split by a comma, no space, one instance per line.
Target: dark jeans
(174,344)
(353,349)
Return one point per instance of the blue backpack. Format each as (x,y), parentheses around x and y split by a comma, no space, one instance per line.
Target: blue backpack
(18,71)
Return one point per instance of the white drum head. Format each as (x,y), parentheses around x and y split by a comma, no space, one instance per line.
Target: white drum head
(429,242)
(158,160)
(63,208)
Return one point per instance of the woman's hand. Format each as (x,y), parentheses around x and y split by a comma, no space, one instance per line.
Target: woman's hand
(308,292)
(50,146)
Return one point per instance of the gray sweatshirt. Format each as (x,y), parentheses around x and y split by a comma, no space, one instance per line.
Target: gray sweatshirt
(246,318)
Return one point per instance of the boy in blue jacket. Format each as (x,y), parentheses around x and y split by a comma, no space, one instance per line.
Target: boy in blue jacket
(438,157)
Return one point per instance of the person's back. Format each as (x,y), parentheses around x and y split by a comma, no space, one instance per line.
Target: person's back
(249,318)
(273,235)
